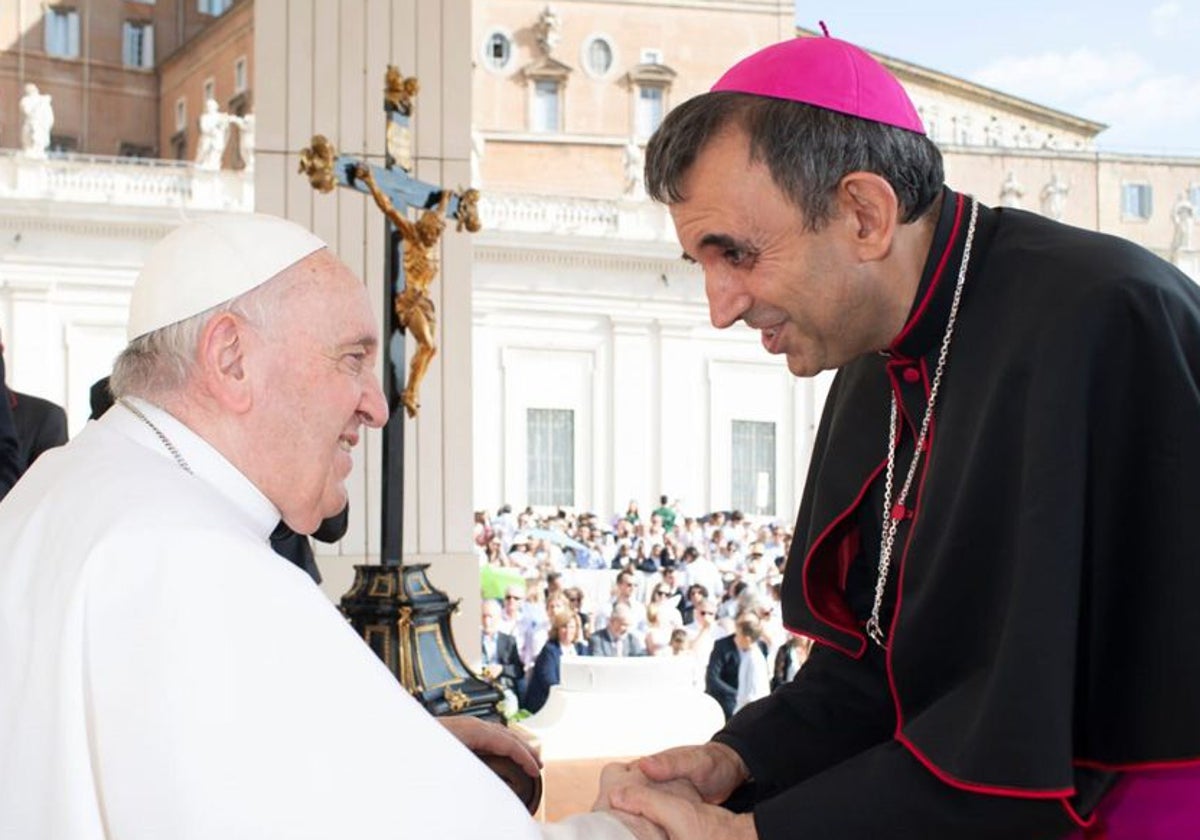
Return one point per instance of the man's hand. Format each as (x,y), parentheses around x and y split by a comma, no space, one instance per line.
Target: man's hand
(616,776)
(481,736)
(681,819)
(713,769)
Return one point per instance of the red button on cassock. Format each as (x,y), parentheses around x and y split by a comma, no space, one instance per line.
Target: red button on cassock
(912,375)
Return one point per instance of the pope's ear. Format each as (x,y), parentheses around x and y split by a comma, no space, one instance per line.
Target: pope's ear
(872,211)
(221,358)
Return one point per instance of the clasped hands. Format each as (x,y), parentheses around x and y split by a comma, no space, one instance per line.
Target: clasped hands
(674,794)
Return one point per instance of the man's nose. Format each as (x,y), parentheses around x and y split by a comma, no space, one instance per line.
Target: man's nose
(373,406)
(727,299)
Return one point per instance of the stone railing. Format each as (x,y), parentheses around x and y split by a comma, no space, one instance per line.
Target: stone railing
(129,182)
(566,216)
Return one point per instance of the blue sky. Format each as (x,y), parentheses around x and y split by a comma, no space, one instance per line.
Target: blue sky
(1134,65)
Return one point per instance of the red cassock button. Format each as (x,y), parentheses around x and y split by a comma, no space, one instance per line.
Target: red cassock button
(912,375)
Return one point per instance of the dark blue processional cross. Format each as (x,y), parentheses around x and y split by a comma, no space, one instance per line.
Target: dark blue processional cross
(409,269)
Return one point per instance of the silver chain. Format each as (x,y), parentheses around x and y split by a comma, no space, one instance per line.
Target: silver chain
(892,514)
(166,441)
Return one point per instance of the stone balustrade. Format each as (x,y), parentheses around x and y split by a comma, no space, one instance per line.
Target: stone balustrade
(127,182)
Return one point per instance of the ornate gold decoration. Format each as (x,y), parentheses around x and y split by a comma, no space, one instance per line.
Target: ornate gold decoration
(413,306)
(316,161)
(379,640)
(468,211)
(399,91)
(382,587)
(457,700)
(407,674)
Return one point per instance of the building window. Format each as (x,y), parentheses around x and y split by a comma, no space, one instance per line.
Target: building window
(239,76)
(753,468)
(180,114)
(63,143)
(138,44)
(214,7)
(597,56)
(649,109)
(550,456)
(1194,196)
(135,150)
(1137,201)
(62,32)
(210,90)
(546,106)
(497,51)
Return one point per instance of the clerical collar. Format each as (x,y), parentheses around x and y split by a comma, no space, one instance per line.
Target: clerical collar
(926,322)
(204,462)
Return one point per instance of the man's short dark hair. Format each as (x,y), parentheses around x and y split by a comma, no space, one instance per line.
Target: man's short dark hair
(808,151)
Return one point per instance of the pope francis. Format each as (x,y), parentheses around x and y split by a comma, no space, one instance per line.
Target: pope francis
(163,673)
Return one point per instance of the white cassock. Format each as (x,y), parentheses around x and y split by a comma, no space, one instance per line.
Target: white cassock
(164,674)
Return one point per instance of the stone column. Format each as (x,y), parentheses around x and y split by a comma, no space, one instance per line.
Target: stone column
(319,69)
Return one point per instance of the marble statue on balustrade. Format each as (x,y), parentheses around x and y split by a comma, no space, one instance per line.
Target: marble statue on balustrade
(634,162)
(245,140)
(37,118)
(1183,217)
(1054,197)
(214,134)
(1011,191)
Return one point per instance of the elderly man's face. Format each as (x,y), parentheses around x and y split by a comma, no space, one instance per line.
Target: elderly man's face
(316,389)
(805,292)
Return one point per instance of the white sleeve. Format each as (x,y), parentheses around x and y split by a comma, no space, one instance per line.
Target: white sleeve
(229,698)
(596,825)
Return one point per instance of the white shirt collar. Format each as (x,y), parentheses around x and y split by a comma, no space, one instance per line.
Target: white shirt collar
(205,462)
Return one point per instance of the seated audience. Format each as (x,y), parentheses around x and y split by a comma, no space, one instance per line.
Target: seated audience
(565,641)
(501,660)
(615,639)
(754,682)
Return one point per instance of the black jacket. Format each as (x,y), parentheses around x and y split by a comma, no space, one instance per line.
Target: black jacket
(1039,610)
(41,425)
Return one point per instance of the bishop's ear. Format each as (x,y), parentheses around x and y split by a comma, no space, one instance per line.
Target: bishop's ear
(222,363)
(872,211)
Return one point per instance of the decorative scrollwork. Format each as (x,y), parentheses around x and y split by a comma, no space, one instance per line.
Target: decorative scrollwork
(316,161)
(399,91)
(457,699)
(468,211)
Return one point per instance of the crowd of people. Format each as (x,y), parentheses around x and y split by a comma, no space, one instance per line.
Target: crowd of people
(705,587)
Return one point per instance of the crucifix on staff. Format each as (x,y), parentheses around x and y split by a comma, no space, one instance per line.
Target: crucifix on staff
(394,606)
(395,192)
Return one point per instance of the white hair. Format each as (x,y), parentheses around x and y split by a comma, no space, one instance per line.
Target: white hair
(160,362)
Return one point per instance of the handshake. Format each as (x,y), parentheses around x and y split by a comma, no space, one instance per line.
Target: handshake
(674,794)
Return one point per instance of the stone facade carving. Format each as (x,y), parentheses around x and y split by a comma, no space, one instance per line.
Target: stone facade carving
(1011,191)
(1054,197)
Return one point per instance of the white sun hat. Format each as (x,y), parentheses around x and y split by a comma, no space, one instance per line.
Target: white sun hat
(210,261)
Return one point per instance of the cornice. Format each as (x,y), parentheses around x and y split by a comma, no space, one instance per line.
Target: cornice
(906,70)
(94,227)
(633,264)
